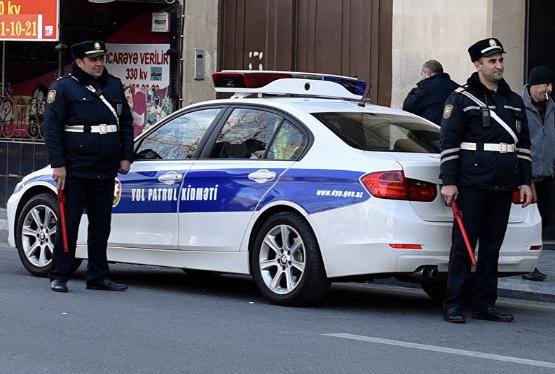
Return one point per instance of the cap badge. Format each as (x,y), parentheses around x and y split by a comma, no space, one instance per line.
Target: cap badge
(492,43)
(97,45)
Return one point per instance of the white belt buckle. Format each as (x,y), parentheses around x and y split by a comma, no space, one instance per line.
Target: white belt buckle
(103,128)
(503,148)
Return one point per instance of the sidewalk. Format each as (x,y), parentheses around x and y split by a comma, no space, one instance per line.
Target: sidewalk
(518,288)
(511,287)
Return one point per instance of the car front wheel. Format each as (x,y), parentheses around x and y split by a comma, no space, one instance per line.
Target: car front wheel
(36,234)
(286,261)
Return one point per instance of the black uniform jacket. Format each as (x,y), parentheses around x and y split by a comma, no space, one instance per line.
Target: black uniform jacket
(428,97)
(86,154)
(463,122)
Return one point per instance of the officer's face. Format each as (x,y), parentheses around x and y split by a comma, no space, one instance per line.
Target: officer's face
(93,66)
(491,68)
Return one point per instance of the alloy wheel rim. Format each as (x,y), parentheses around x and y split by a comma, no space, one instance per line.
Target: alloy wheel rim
(282,259)
(38,235)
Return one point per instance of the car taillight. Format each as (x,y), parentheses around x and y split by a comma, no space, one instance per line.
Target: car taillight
(516,196)
(393,185)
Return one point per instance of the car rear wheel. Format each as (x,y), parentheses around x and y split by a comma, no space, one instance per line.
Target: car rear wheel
(436,289)
(36,234)
(286,261)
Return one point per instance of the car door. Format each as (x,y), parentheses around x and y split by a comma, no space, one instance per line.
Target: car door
(147,198)
(242,161)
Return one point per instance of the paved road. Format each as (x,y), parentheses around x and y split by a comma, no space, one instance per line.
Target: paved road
(170,322)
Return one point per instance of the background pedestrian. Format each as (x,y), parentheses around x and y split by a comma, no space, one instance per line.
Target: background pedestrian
(430,93)
(540,112)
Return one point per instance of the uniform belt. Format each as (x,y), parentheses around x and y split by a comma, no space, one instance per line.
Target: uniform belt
(492,147)
(97,129)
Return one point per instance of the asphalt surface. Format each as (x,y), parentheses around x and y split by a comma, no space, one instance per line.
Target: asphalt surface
(509,287)
(170,322)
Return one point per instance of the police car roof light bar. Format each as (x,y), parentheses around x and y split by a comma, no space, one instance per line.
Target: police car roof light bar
(247,82)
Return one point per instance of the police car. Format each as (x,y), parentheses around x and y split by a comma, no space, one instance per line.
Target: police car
(295,180)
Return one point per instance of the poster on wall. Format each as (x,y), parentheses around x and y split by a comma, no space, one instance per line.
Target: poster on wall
(144,70)
(29,20)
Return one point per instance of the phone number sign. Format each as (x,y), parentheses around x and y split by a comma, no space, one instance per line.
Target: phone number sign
(29,20)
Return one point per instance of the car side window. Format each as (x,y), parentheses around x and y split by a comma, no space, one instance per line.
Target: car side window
(177,139)
(246,134)
(288,143)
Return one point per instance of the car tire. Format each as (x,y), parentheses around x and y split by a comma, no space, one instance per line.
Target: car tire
(289,272)
(435,289)
(35,234)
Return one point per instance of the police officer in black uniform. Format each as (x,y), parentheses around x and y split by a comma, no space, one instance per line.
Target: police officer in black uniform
(485,156)
(89,138)
(428,97)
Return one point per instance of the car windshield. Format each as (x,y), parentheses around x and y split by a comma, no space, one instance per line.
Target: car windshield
(382,132)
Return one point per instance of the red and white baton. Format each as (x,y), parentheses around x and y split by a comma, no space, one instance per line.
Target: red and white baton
(458,217)
(61,203)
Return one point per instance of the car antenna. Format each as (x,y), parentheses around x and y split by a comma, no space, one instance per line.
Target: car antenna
(365,98)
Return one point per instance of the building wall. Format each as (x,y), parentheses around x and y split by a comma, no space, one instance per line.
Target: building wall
(509,22)
(200,32)
(444,29)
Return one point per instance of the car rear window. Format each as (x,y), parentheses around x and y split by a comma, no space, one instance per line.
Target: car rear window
(382,132)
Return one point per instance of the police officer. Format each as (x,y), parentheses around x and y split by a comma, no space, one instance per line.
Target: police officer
(89,138)
(429,95)
(485,156)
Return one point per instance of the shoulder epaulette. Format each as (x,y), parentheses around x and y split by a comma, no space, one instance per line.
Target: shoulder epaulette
(64,76)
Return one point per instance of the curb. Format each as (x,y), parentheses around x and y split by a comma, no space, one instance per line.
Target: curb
(533,291)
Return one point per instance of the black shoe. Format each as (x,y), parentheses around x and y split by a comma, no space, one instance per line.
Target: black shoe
(454,315)
(106,285)
(492,314)
(58,286)
(536,275)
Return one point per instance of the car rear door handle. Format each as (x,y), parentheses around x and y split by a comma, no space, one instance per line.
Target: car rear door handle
(262,176)
(170,178)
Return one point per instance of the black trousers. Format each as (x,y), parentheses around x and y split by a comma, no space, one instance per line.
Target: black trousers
(96,197)
(485,215)
(543,191)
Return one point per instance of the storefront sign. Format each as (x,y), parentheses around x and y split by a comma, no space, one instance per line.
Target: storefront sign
(144,70)
(29,20)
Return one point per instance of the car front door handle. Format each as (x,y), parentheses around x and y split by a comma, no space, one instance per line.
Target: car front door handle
(170,178)
(262,176)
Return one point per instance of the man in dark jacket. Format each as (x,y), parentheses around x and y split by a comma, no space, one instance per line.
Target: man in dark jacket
(540,112)
(429,95)
(89,138)
(485,156)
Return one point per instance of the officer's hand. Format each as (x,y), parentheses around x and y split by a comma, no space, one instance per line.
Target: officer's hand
(124,166)
(525,195)
(450,193)
(59,175)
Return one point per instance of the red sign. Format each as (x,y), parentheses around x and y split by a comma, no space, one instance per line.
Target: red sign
(29,20)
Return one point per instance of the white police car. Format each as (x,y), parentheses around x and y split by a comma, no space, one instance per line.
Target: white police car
(300,185)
